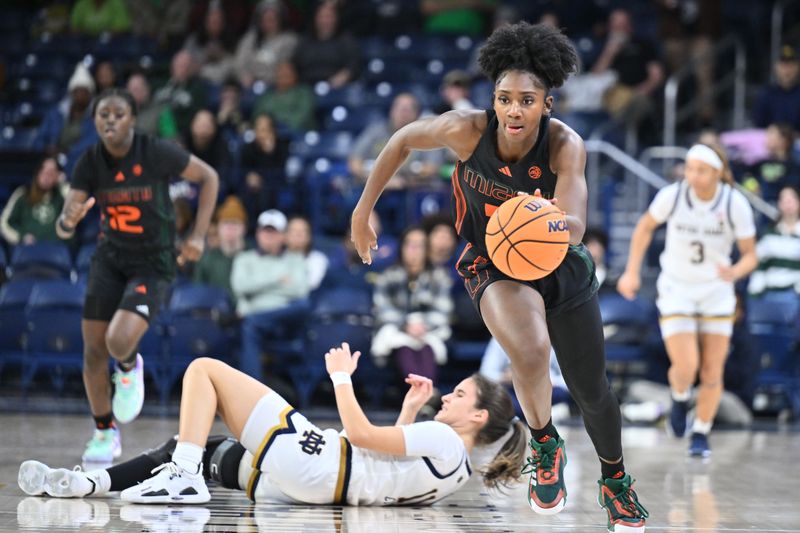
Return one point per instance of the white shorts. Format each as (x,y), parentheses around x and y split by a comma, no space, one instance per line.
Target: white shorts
(695,307)
(291,459)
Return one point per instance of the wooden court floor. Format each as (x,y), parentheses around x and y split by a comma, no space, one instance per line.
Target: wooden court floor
(751,483)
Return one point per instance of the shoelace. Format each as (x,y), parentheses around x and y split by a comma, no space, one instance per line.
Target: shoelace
(171,468)
(545,460)
(629,501)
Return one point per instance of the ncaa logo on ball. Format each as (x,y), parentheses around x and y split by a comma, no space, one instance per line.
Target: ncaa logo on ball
(535,172)
(556,225)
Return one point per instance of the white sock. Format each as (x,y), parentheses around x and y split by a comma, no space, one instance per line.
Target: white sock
(189,457)
(701,427)
(684,396)
(101,480)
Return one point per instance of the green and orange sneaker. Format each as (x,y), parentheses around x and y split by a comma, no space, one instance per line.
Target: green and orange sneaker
(547,493)
(625,513)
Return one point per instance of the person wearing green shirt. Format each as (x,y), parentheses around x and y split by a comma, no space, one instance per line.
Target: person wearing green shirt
(31,212)
(290,103)
(93,17)
(215,267)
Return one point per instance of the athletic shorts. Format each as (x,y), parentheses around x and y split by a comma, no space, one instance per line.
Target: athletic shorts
(291,459)
(695,307)
(569,286)
(135,281)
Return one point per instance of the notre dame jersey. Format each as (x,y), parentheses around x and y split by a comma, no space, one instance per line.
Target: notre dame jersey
(133,192)
(483,182)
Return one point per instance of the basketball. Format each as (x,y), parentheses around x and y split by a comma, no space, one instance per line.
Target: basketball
(527,237)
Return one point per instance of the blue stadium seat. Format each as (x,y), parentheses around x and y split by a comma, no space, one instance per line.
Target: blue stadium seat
(773,320)
(54,323)
(352,119)
(84,259)
(328,144)
(44,66)
(44,260)
(23,115)
(14,296)
(627,327)
(351,95)
(17,138)
(194,329)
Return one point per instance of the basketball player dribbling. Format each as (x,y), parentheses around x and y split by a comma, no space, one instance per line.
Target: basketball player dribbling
(516,147)
(696,302)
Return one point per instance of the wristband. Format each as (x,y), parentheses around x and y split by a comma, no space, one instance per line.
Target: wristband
(341,378)
(63,227)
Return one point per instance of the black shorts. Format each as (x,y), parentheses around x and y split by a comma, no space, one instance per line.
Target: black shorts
(572,284)
(122,279)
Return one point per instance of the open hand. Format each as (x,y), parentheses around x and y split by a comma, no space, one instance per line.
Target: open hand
(339,359)
(75,211)
(419,392)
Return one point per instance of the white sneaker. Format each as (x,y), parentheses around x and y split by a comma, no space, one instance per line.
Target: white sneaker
(128,392)
(158,518)
(37,478)
(171,484)
(104,447)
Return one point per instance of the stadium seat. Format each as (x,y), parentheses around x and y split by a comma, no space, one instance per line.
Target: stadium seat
(21,139)
(14,296)
(773,320)
(54,315)
(84,259)
(43,260)
(627,328)
(194,329)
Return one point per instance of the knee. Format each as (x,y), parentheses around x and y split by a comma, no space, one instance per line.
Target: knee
(199,365)
(686,368)
(95,355)
(710,377)
(119,345)
(530,358)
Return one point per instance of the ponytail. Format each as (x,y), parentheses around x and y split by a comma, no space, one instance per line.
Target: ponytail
(506,465)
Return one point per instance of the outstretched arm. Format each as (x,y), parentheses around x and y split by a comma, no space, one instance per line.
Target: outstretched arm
(360,431)
(456,130)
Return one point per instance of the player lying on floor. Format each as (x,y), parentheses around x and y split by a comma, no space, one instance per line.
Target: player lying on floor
(278,455)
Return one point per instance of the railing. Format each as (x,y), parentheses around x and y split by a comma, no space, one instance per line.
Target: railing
(673,116)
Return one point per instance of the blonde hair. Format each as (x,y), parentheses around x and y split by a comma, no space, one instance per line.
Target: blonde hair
(505,467)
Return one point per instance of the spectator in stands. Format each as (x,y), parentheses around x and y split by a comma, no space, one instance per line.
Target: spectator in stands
(184,93)
(346,269)
(412,310)
(780,101)
(69,127)
(778,249)
(419,166)
(458,17)
(299,241)
(153,119)
(289,102)
(206,143)
(216,265)
(442,241)
(688,31)
(263,163)
(31,212)
(163,21)
(596,241)
(184,220)
(639,71)
(93,17)
(266,45)
(105,76)
(213,45)
(326,54)
(455,92)
(270,286)
(230,118)
(779,168)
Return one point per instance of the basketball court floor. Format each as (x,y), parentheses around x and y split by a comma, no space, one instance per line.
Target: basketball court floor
(751,483)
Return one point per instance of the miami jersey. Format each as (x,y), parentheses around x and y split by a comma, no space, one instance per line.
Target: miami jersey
(700,234)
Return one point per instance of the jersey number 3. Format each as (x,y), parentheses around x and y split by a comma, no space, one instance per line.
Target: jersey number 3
(699,253)
(123,217)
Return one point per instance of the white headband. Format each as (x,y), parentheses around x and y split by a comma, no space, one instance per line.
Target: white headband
(705,154)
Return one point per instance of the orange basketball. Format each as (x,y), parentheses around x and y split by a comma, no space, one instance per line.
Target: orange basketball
(527,237)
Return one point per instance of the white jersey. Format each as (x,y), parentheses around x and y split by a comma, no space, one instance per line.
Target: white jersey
(700,234)
(289,459)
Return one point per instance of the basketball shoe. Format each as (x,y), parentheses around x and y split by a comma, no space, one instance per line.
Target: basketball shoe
(625,513)
(172,484)
(104,447)
(698,445)
(677,418)
(128,392)
(547,493)
(37,478)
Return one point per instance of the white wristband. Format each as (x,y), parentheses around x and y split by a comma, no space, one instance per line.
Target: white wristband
(341,378)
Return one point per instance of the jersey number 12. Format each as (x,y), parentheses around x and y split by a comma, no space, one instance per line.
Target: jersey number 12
(122,218)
